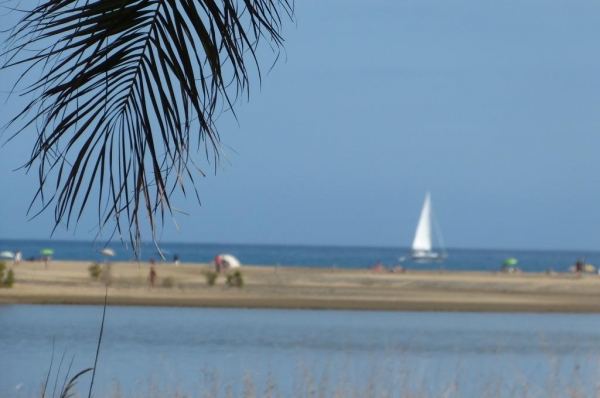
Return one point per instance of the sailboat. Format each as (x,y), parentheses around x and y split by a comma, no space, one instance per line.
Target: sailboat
(422,244)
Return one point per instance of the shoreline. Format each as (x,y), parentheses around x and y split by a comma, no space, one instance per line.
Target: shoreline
(69,282)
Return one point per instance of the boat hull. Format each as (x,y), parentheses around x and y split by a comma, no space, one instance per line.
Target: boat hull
(427,256)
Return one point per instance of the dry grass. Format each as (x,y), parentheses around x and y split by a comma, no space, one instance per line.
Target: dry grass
(337,382)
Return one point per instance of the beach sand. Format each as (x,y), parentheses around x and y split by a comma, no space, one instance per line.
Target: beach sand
(69,282)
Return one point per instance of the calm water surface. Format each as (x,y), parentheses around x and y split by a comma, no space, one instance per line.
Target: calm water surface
(196,349)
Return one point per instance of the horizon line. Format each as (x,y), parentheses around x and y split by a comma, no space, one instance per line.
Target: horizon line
(406,248)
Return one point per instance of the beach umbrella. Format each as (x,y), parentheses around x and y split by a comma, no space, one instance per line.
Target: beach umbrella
(589,268)
(229,261)
(509,262)
(108,252)
(46,252)
(7,254)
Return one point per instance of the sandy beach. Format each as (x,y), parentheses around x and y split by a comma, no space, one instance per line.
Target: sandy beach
(69,282)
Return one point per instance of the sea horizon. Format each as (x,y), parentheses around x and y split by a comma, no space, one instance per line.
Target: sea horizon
(302,255)
(316,245)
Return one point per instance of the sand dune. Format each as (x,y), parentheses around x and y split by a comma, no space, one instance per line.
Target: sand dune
(67,282)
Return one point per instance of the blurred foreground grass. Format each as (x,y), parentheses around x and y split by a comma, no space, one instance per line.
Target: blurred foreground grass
(335,383)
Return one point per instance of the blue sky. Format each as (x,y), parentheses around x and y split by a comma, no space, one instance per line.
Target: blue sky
(494,107)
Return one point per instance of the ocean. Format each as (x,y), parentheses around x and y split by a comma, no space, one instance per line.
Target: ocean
(308,256)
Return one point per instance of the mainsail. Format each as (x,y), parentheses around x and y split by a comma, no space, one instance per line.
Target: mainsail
(422,242)
(421,247)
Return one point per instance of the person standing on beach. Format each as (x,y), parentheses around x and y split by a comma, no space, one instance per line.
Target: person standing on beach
(218,267)
(579,265)
(176,259)
(17,257)
(152,278)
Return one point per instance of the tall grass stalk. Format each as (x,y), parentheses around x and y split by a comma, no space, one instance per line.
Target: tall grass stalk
(99,342)
(67,388)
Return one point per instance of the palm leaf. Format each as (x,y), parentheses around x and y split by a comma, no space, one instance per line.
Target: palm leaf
(124,89)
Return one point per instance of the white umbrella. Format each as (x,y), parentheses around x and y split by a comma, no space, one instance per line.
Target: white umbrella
(108,252)
(7,254)
(230,261)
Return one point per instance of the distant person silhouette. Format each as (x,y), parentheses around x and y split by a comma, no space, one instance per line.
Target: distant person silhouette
(218,265)
(152,278)
(579,266)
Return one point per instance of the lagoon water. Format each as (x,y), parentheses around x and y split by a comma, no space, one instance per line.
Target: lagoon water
(287,352)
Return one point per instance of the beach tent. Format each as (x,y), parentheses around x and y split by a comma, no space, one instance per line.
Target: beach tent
(229,261)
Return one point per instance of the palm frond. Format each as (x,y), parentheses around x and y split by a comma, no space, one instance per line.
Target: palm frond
(124,89)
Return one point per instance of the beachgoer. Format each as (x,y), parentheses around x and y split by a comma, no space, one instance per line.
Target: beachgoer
(378,267)
(579,266)
(17,257)
(152,277)
(398,268)
(218,267)
(47,259)
(176,259)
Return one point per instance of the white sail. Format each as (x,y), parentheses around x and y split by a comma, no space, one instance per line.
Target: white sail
(422,242)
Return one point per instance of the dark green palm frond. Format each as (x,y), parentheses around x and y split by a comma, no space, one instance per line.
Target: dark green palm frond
(126,89)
